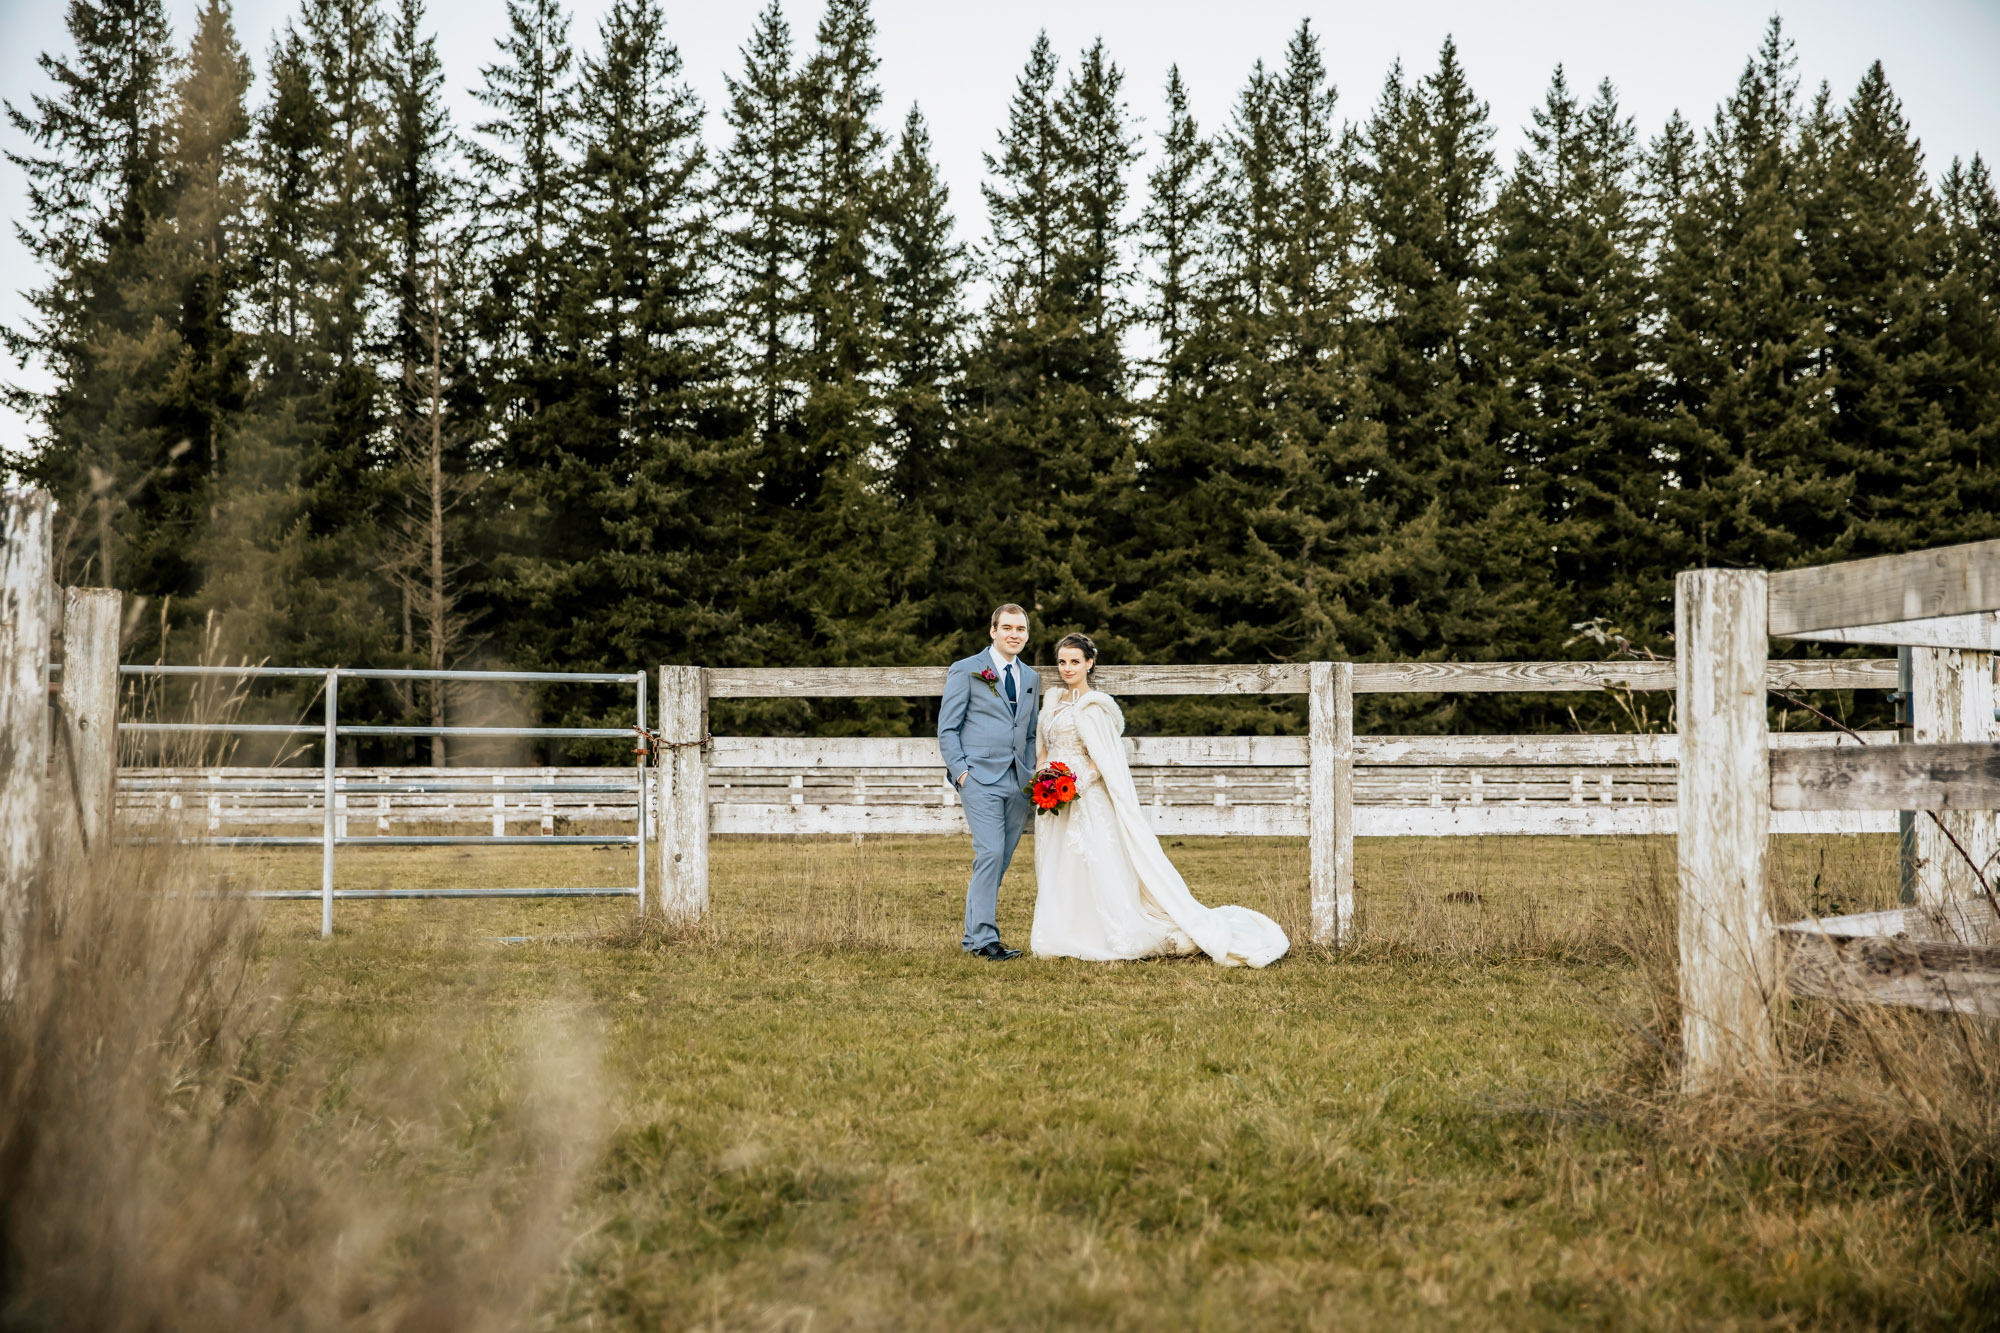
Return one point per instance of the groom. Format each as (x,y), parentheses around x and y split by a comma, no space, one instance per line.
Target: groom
(986,731)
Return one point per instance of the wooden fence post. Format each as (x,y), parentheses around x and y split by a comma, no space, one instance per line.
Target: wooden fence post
(88,772)
(683,785)
(1330,793)
(1952,696)
(1724,796)
(26,557)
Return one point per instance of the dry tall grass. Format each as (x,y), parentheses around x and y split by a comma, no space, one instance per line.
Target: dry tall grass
(1863,1094)
(178,1149)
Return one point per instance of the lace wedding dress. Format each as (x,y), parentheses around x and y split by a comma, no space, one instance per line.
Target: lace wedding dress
(1104,888)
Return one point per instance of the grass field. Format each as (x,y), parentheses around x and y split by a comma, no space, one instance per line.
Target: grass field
(814,1113)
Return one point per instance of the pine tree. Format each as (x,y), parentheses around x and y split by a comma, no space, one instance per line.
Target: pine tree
(522,167)
(432,397)
(1175,233)
(197,252)
(298,568)
(1965,492)
(421,202)
(842,528)
(1248,477)
(430,485)
(639,500)
(1191,518)
(1567,308)
(1875,249)
(1466,570)
(1049,465)
(1424,191)
(1252,477)
(524,228)
(923,318)
(255,540)
(96,174)
(759,184)
(1091,275)
(1739,341)
(344,39)
(1025,182)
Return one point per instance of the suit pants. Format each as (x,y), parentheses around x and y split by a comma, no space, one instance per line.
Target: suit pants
(996,815)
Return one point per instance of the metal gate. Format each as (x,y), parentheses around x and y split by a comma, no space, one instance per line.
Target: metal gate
(330,730)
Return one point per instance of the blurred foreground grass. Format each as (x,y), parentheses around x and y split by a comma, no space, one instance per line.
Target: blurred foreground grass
(821,1115)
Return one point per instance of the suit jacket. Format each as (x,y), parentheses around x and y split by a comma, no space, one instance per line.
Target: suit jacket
(977,733)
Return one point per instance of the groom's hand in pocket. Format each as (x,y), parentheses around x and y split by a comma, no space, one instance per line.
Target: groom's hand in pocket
(963,776)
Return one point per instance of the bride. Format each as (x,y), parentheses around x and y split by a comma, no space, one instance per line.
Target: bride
(1104,888)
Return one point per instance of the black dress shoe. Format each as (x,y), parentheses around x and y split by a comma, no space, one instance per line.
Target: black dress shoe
(996,952)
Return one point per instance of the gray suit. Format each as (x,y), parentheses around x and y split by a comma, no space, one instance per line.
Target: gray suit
(978,734)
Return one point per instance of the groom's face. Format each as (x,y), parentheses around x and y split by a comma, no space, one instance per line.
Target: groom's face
(1010,633)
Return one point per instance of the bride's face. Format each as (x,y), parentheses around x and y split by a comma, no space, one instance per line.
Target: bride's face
(1074,667)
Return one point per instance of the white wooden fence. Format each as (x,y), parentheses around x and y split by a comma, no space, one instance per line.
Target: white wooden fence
(1733,788)
(1403,786)
(1328,786)
(1735,784)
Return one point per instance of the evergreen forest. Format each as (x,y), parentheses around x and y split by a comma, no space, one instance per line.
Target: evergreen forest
(611,378)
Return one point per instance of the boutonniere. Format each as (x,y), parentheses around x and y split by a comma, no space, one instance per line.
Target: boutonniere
(992,679)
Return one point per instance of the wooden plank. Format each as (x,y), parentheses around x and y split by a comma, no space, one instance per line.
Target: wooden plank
(87,773)
(1586,821)
(1723,824)
(810,754)
(1486,821)
(1921,585)
(1979,631)
(1292,678)
(922,682)
(683,786)
(1916,974)
(1952,702)
(1330,803)
(1508,677)
(824,682)
(807,753)
(1832,674)
(26,558)
(1888,777)
(1277,821)
(1589,751)
(1241,821)
(1832,821)
(1532,677)
(1216,751)
(1964,922)
(1274,678)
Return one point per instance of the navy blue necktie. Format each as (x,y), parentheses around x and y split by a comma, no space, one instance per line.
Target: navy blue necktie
(1013,700)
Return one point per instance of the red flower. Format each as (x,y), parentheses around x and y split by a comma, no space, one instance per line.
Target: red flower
(1054,787)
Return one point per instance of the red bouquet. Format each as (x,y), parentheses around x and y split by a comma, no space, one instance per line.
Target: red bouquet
(1053,788)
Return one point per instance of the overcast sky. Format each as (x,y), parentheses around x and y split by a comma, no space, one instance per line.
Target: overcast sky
(959,62)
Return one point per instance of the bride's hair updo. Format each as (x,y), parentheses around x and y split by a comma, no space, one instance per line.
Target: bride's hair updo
(1082,643)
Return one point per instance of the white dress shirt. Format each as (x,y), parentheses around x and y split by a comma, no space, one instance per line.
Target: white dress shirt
(1004,666)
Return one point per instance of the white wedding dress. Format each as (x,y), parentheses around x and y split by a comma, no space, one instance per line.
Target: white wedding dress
(1104,888)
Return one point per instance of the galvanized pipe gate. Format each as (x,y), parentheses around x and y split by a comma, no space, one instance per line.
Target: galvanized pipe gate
(330,730)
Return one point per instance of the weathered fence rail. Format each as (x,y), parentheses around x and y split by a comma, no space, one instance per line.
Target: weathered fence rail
(1733,790)
(1328,786)
(1194,785)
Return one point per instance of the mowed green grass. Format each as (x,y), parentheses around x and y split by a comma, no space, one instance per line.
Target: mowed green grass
(815,1113)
